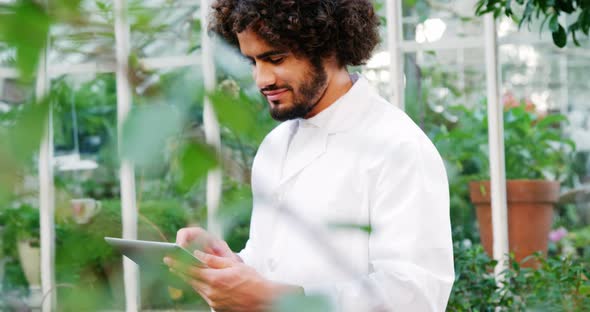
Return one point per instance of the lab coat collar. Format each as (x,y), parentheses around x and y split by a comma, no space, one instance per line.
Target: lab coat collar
(340,116)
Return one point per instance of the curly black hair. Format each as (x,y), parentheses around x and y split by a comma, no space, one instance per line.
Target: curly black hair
(347,29)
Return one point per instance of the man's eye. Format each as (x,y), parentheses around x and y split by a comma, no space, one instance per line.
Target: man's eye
(276,60)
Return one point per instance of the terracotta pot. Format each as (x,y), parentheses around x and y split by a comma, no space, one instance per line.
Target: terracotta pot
(530,214)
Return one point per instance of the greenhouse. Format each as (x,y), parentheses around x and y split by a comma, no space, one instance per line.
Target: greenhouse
(135,119)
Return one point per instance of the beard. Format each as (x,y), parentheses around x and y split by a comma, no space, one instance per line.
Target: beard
(306,97)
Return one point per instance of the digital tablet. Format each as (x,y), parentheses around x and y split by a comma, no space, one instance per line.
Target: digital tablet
(150,253)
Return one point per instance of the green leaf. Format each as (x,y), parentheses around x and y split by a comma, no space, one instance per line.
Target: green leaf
(146,132)
(308,303)
(19,142)
(482,189)
(8,173)
(26,27)
(103,5)
(554,23)
(572,29)
(25,136)
(352,226)
(410,3)
(551,120)
(195,160)
(237,115)
(560,37)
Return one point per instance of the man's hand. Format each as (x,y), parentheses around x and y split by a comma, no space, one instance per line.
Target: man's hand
(229,285)
(198,238)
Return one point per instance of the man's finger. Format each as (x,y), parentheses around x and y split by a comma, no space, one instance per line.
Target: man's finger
(213,261)
(178,266)
(192,272)
(183,277)
(185,236)
(203,289)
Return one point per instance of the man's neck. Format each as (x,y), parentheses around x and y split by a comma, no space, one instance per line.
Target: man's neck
(338,84)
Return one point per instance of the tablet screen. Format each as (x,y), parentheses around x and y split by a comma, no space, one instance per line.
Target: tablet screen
(150,253)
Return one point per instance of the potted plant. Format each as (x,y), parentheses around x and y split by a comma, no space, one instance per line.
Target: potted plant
(536,158)
(21,239)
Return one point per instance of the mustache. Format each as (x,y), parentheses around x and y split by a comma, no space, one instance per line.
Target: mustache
(275,87)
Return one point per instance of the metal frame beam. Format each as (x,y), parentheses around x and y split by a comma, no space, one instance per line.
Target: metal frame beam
(211,124)
(394,40)
(127,173)
(496,143)
(46,193)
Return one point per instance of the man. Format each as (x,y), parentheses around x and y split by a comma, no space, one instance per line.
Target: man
(342,158)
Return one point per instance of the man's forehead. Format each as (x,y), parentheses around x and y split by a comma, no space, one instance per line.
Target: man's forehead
(251,44)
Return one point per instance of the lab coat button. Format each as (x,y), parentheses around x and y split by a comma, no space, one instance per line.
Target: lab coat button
(278,198)
(272,264)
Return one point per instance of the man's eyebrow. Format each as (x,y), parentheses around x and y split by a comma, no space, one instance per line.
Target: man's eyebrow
(270,53)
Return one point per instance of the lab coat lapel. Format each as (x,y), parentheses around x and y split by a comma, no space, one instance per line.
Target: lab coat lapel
(306,146)
(276,152)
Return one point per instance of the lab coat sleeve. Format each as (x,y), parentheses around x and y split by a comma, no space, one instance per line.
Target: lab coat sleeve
(251,254)
(410,246)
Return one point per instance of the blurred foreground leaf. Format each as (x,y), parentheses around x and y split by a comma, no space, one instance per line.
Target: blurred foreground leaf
(146,132)
(19,141)
(352,226)
(25,26)
(234,213)
(27,131)
(194,161)
(297,303)
(234,113)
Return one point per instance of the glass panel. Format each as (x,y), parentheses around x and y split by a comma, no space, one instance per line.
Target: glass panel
(164,28)
(431,21)
(90,39)
(549,80)
(87,192)
(88,200)
(19,199)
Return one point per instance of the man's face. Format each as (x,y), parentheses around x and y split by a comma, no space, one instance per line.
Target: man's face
(292,85)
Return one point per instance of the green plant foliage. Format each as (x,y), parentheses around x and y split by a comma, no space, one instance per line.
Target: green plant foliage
(89,265)
(475,287)
(25,25)
(559,284)
(548,10)
(20,223)
(535,148)
(95,105)
(577,242)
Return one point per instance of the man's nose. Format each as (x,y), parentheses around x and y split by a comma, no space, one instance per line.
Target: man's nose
(264,76)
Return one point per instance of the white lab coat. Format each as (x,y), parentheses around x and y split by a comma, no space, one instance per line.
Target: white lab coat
(361,161)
